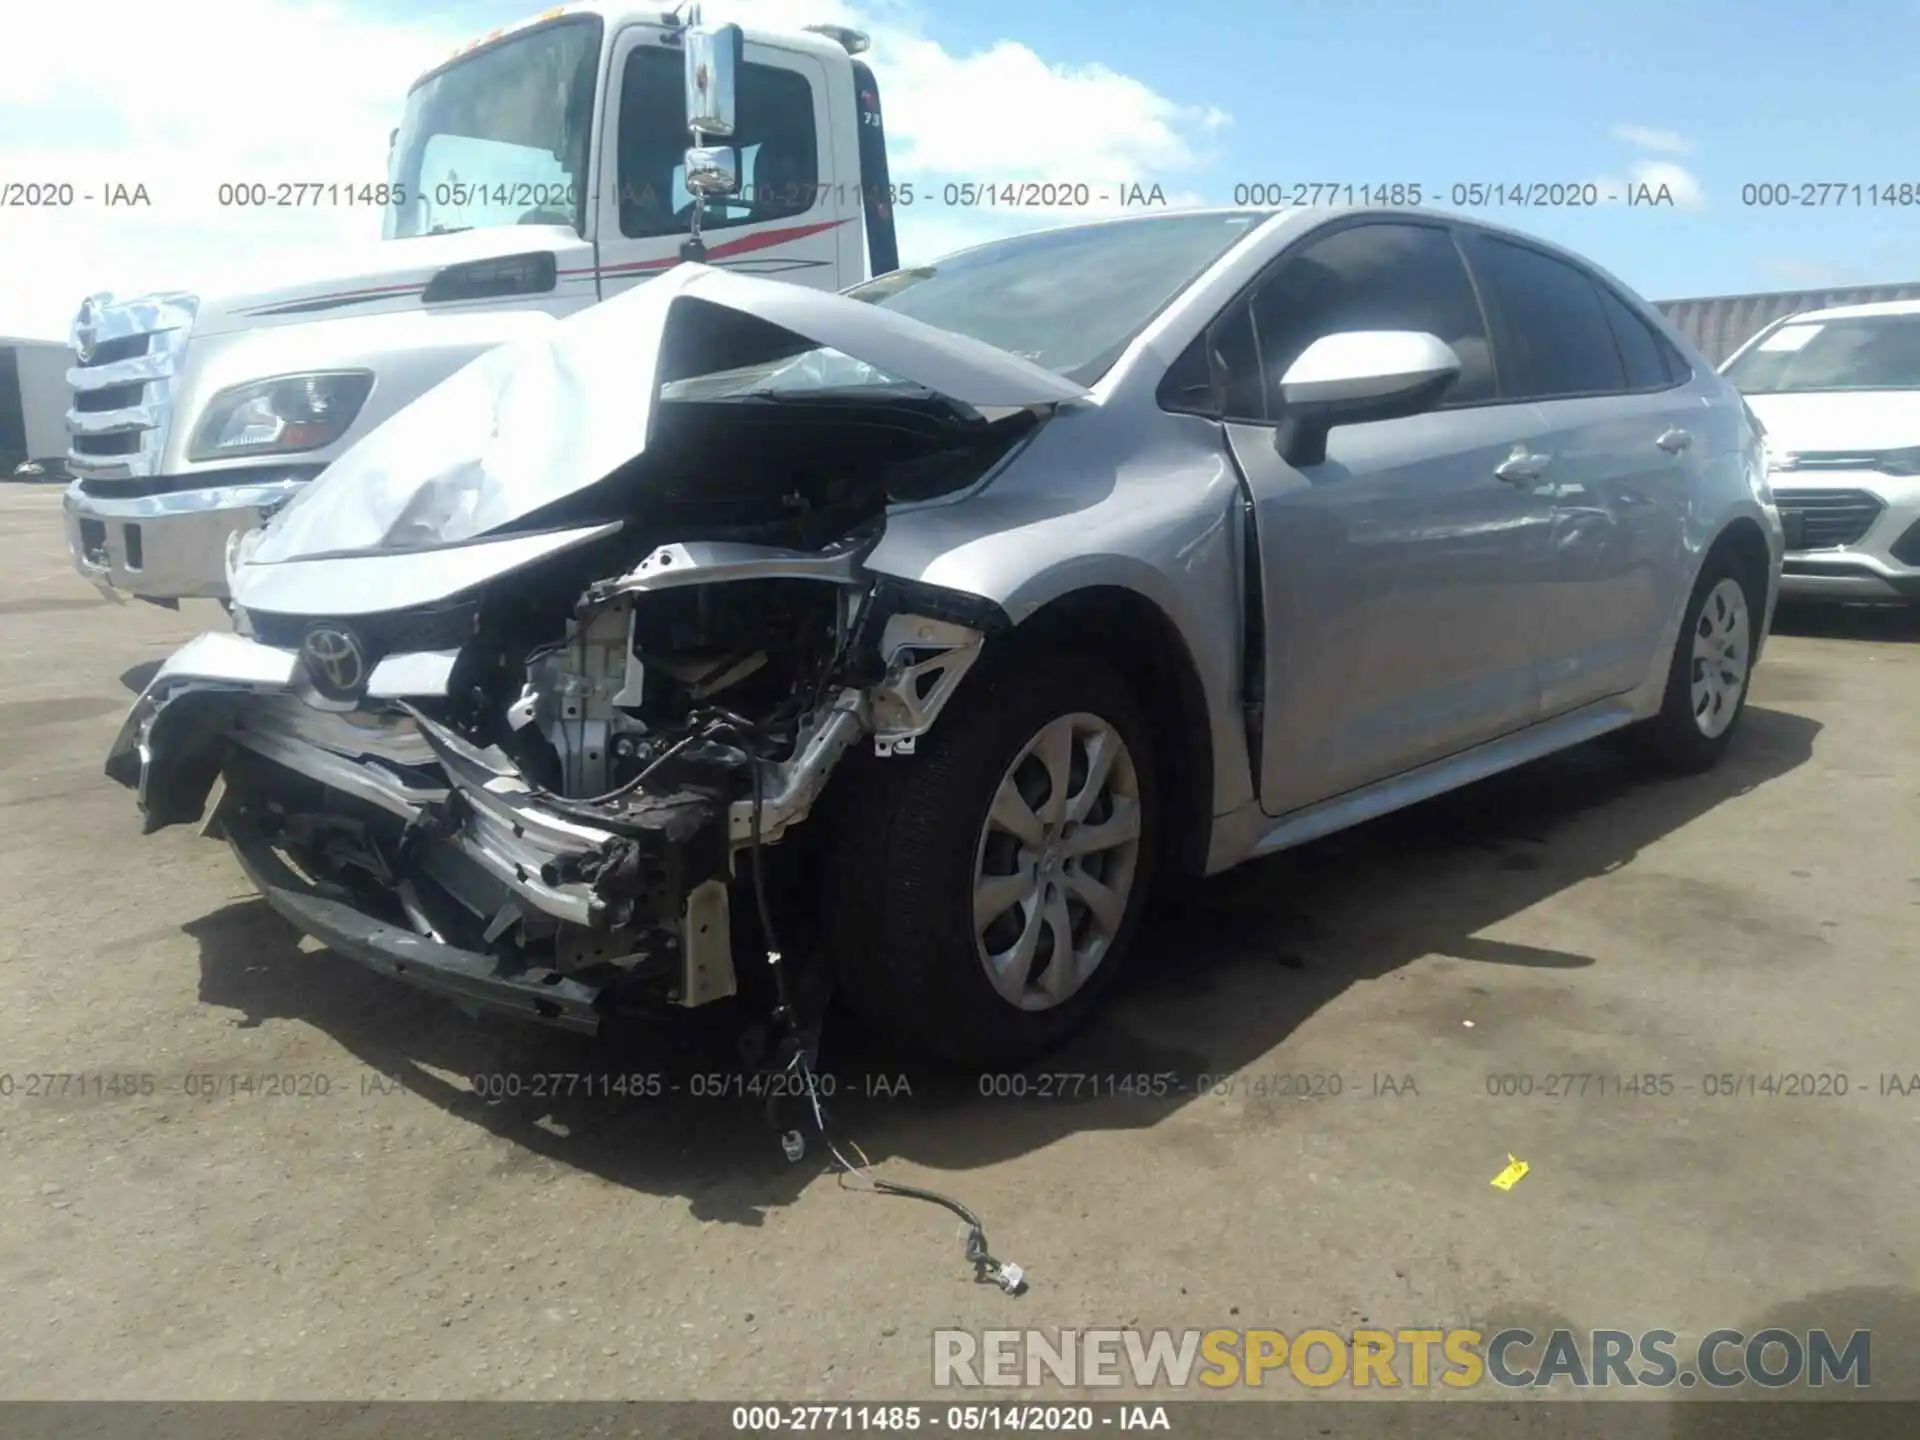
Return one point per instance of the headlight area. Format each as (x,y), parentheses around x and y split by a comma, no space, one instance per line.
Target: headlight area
(564,829)
(285,415)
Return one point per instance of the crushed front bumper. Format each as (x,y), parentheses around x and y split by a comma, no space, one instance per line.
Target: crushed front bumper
(148,537)
(641,894)
(467,977)
(443,866)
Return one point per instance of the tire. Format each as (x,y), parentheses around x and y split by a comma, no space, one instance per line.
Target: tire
(920,832)
(1702,705)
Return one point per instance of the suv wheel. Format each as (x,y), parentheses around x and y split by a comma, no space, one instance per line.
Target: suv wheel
(987,888)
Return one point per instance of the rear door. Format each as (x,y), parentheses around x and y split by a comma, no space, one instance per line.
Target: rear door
(794,207)
(1400,575)
(1617,413)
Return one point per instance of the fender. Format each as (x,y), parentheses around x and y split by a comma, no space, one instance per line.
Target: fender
(1171,537)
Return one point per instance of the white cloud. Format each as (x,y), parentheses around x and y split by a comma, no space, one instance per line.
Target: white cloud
(1648,138)
(103,91)
(1678,181)
(1655,184)
(1006,115)
(1659,186)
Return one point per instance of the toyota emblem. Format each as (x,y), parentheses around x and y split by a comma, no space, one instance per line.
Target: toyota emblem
(335,662)
(86,328)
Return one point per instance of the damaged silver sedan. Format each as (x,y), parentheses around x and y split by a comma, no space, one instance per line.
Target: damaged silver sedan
(929,622)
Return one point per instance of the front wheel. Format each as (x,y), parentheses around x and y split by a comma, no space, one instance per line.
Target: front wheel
(1710,673)
(987,889)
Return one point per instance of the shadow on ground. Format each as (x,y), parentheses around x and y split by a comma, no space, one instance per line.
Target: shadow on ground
(1227,971)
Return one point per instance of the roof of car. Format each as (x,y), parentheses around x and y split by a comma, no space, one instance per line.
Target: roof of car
(1857,312)
(1100,222)
(1269,218)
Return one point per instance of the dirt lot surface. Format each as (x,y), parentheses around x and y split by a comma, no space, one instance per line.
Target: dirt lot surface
(210,1235)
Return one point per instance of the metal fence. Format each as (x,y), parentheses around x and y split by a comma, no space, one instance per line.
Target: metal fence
(1719,324)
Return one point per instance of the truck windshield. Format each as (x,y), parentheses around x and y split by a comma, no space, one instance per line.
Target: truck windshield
(499,137)
(1878,352)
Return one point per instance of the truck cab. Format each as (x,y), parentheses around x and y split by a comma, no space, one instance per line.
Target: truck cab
(541,169)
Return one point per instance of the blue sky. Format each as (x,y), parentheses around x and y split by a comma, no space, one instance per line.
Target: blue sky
(1706,94)
(1383,90)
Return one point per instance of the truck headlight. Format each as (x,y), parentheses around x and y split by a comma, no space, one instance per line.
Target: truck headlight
(280,416)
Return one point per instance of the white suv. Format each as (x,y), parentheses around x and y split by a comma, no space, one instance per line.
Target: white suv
(1839,394)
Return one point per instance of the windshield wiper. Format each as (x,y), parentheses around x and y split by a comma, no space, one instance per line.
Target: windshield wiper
(448,229)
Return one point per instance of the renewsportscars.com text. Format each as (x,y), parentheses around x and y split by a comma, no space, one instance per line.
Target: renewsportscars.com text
(1512,1358)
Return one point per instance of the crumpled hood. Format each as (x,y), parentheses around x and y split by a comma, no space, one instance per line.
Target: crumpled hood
(364,279)
(1861,420)
(537,419)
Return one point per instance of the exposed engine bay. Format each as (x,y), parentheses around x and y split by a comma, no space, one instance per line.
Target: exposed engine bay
(541,794)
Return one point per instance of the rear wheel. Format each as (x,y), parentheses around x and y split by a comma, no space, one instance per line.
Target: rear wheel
(1711,670)
(987,889)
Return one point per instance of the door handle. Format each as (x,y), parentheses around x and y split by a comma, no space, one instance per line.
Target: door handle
(1522,467)
(1674,441)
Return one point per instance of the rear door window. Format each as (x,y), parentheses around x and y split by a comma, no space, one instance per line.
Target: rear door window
(1555,340)
(1642,351)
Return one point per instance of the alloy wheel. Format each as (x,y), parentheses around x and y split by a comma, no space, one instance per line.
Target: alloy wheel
(1056,861)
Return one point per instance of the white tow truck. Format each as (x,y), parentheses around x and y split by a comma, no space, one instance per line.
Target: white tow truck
(543,168)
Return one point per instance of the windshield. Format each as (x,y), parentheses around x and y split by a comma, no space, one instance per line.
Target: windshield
(1880,352)
(1069,300)
(499,137)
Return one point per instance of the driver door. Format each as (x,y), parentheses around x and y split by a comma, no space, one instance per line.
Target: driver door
(1402,577)
(796,217)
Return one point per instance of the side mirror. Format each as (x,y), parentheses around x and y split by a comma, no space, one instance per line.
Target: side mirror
(712,170)
(713,63)
(1355,377)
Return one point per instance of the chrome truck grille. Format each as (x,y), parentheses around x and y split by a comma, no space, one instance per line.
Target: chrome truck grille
(126,355)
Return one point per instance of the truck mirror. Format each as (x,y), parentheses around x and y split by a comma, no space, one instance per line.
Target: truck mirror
(712,170)
(713,63)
